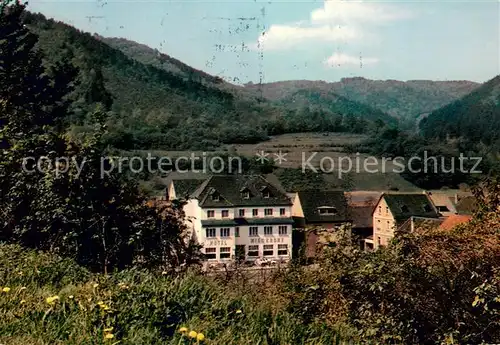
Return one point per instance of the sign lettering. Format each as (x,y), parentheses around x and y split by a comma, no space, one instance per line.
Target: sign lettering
(216,243)
(267,240)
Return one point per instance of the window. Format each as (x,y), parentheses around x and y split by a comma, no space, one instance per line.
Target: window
(268,250)
(211,232)
(225,253)
(325,210)
(268,230)
(266,194)
(225,213)
(225,232)
(386,210)
(380,210)
(255,212)
(378,240)
(443,209)
(241,213)
(215,197)
(210,214)
(282,249)
(253,251)
(283,230)
(246,195)
(282,211)
(253,231)
(268,212)
(237,232)
(210,253)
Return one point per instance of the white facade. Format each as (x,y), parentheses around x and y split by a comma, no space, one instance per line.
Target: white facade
(227,233)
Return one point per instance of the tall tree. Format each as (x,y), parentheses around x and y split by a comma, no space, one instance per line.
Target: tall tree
(63,196)
(31,100)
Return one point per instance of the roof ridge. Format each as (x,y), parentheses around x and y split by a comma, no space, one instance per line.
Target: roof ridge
(201,188)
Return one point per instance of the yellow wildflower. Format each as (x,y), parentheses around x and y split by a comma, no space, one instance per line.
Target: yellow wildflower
(193,334)
(109,336)
(71,296)
(100,303)
(200,337)
(22,301)
(183,330)
(52,300)
(6,289)
(108,329)
(238,311)
(95,285)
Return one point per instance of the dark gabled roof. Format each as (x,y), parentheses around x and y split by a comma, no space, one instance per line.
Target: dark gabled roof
(184,188)
(404,206)
(466,205)
(228,188)
(361,216)
(312,200)
(246,221)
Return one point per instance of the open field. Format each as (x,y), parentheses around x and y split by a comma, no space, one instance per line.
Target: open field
(317,152)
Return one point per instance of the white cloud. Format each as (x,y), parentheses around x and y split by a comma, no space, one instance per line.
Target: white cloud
(336,21)
(280,37)
(340,60)
(349,12)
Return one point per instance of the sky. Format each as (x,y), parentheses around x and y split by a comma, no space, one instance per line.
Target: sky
(264,41)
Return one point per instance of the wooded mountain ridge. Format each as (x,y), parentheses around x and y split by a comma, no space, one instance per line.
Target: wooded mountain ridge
(157,101)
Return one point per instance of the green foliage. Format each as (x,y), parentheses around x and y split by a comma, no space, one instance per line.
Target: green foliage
(138,307)
(326,111)
(296,180)
(475,117)
(404,101)
(160,103)
(61,195)
(429,164)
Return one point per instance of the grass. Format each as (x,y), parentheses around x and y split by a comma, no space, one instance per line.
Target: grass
(49,300)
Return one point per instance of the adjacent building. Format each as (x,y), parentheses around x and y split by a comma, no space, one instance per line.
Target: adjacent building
(317,215)
(394,210)
(361,204)
(240,217)
(444,203)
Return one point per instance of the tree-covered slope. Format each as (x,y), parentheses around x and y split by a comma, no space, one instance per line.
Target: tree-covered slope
(159,102)
(151,106)
(336,104)
(150,56)
(404,100)
(475,117)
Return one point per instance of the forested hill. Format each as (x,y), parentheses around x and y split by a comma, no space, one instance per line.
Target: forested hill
(336,104)
(171,105)
(151,106)
(475,117)
(403,100)
(150,56)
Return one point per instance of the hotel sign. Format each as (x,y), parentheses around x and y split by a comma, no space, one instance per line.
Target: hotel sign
(267,240)
(216,243)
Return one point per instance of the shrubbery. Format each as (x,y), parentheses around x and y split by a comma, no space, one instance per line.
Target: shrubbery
(51,300)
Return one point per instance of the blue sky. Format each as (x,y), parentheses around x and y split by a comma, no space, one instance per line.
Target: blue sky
(247,40)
